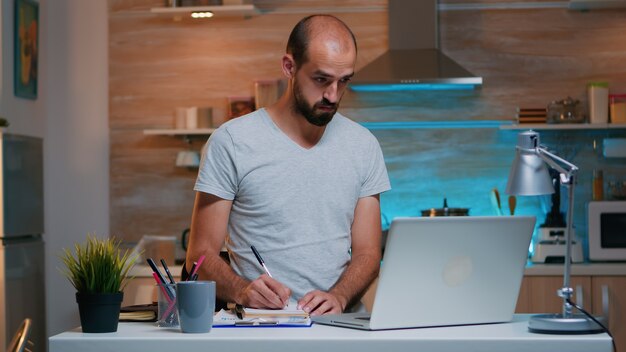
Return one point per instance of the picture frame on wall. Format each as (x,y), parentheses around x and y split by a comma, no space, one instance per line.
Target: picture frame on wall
(26,47)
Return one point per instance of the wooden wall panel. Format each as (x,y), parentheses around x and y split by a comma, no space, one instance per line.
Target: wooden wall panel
(158,64)
(526,57)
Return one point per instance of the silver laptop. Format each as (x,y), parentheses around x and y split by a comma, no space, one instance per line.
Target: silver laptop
(441,271)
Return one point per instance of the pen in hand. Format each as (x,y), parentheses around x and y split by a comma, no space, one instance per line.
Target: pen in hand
(261,261)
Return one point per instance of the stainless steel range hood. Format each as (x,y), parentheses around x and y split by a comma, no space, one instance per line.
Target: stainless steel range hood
(413,61)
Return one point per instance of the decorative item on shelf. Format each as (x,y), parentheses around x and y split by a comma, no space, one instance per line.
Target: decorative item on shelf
(618,108)
(191,118)
(529,176)
(531,115)
(614,147)
(266,92)
(205,117)
(616,190)
(598,95)
(236,2)
(239,106)
(188,158)
(183,3)
(567,110)
(99,272)
(199,2)
(597,185)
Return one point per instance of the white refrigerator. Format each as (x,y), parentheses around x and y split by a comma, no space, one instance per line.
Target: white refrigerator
(22,280)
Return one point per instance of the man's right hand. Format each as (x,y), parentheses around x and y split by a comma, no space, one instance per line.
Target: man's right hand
(265,292)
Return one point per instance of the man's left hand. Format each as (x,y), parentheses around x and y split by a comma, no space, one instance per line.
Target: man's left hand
(320,302)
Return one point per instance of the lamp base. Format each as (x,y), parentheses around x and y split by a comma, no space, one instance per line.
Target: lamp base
(557,324)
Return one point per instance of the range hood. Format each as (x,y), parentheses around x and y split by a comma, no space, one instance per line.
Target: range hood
(413,61)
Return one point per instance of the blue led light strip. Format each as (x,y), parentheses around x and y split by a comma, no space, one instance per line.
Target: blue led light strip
(406,125)
(409,87)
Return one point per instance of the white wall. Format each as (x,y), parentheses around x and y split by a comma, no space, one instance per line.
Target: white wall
(25,116)
(71,114)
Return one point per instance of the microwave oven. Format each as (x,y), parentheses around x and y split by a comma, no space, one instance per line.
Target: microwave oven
(607,230)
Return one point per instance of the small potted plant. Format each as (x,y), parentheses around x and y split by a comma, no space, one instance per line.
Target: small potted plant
(98,270)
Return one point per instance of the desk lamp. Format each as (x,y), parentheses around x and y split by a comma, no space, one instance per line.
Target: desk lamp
(529,176)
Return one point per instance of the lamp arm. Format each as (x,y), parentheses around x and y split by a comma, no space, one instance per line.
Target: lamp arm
(568,180)
(552,159)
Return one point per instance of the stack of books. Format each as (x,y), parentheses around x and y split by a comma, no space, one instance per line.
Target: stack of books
(531,115)
(140,312)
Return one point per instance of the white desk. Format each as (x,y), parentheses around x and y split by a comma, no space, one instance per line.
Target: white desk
(510,337)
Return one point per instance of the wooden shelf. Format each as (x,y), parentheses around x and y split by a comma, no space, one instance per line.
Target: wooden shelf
(179,132)
(565,126)
(218,11)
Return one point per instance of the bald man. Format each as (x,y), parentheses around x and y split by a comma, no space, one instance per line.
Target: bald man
(298,181)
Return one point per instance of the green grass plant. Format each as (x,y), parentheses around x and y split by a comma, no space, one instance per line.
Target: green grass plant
(98,266)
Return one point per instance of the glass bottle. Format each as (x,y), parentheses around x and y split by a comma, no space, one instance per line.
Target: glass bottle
(598,185)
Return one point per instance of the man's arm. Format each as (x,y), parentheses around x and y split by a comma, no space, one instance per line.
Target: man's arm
(363,267)
(209,226)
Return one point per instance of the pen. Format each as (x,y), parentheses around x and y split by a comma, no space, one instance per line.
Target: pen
(170,300)
(167,296)
(192,271)
(261,261)
(160,277)
(196,267)
(167,271)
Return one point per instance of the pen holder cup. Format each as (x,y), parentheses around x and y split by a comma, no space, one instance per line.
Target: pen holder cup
(196,305)
(166,301)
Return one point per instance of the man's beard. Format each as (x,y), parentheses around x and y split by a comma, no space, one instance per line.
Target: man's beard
(302,107)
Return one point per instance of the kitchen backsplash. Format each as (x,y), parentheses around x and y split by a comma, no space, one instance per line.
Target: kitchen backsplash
(465,164)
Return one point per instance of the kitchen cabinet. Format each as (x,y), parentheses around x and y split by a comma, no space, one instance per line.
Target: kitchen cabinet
(614,286)
(538,295)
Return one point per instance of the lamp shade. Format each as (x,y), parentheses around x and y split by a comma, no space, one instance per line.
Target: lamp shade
(529,174)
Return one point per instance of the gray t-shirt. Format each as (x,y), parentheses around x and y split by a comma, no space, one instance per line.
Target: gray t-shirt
(295,205)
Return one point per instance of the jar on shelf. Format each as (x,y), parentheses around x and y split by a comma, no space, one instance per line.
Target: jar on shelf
(598,95)
(617,103)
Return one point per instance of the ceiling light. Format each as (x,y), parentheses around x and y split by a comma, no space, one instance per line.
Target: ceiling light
(202,14)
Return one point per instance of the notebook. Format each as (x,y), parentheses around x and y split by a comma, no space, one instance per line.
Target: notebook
(442,271)
(289,316)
